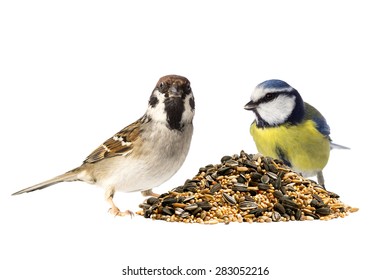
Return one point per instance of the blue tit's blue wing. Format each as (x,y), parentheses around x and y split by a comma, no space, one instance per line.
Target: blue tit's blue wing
(313,114)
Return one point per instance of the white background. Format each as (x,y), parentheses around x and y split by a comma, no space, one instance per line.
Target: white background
(72,73)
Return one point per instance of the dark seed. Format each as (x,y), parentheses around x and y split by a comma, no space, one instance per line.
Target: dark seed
(229,199)
(215,188)
(169,201)
(249,164)
(225,170)
(241,178)
(333,195)
(202,169)
(225,158)
(323,211)
(239,187)
(290,204)
(190,188)
(256,176)
(257,212)
(290,211)
(247,205)
(191,207)
(278,183)
(209,178)
(168,211)
(298,214)
(263,187)
(205,205)
(197,210)
(280,208)
(163,195)
(272,175)
(315,203)
(148,213)
(317,197)
(278,194)
(273,168)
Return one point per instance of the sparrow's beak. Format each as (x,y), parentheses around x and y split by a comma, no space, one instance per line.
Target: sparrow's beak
(250,105)
(174,91)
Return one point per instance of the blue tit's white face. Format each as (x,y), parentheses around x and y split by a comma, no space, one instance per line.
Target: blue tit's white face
(273,102)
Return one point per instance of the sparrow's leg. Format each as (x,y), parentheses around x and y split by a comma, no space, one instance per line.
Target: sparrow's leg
(115,210)
(320,179)
(149,192)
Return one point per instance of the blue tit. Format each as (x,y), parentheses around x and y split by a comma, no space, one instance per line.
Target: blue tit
(287,128)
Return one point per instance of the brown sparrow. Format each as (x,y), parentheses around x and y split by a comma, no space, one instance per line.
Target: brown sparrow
(144,154)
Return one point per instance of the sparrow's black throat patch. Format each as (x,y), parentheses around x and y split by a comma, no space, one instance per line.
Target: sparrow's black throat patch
(174,107)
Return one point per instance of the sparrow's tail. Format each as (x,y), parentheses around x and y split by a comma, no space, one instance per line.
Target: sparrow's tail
(66,177)
(337,146)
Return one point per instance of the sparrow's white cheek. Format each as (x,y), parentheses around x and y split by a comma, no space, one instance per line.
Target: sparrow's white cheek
(188,113)
(157,112)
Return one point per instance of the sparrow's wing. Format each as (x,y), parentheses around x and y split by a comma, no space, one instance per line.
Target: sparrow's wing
(119,145)
(313,114)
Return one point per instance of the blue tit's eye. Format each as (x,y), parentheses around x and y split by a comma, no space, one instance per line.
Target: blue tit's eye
(269,97)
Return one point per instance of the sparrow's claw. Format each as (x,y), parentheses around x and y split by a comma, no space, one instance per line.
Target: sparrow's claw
(116,212)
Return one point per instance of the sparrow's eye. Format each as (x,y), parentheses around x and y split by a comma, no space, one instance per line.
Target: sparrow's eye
(188,88)
(162,87)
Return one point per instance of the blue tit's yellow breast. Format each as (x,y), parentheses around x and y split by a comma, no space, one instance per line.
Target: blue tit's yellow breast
(302,145)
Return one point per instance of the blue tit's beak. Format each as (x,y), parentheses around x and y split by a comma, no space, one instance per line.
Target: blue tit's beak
(250,105)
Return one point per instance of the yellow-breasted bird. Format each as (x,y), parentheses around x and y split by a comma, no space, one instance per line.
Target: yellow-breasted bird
(290,129)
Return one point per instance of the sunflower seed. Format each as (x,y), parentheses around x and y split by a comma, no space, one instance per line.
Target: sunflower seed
(215,188)
(247,205)
(191,207)
(229,199)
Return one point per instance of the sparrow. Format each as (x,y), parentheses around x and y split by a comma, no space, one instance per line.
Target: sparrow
(144,154)
(287,128)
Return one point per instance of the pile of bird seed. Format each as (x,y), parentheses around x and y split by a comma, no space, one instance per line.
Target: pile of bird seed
(246,188)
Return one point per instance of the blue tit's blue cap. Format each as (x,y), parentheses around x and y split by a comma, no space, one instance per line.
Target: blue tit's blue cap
(275,84)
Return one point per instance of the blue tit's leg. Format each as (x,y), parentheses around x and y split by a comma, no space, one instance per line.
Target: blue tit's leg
(320,178)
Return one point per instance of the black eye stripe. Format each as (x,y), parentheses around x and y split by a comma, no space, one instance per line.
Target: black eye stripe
(269,97)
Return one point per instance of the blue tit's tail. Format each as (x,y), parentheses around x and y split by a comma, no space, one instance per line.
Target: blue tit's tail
(337,146)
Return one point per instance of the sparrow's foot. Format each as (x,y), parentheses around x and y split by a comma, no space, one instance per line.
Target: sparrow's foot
(149,192)
(116,212)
